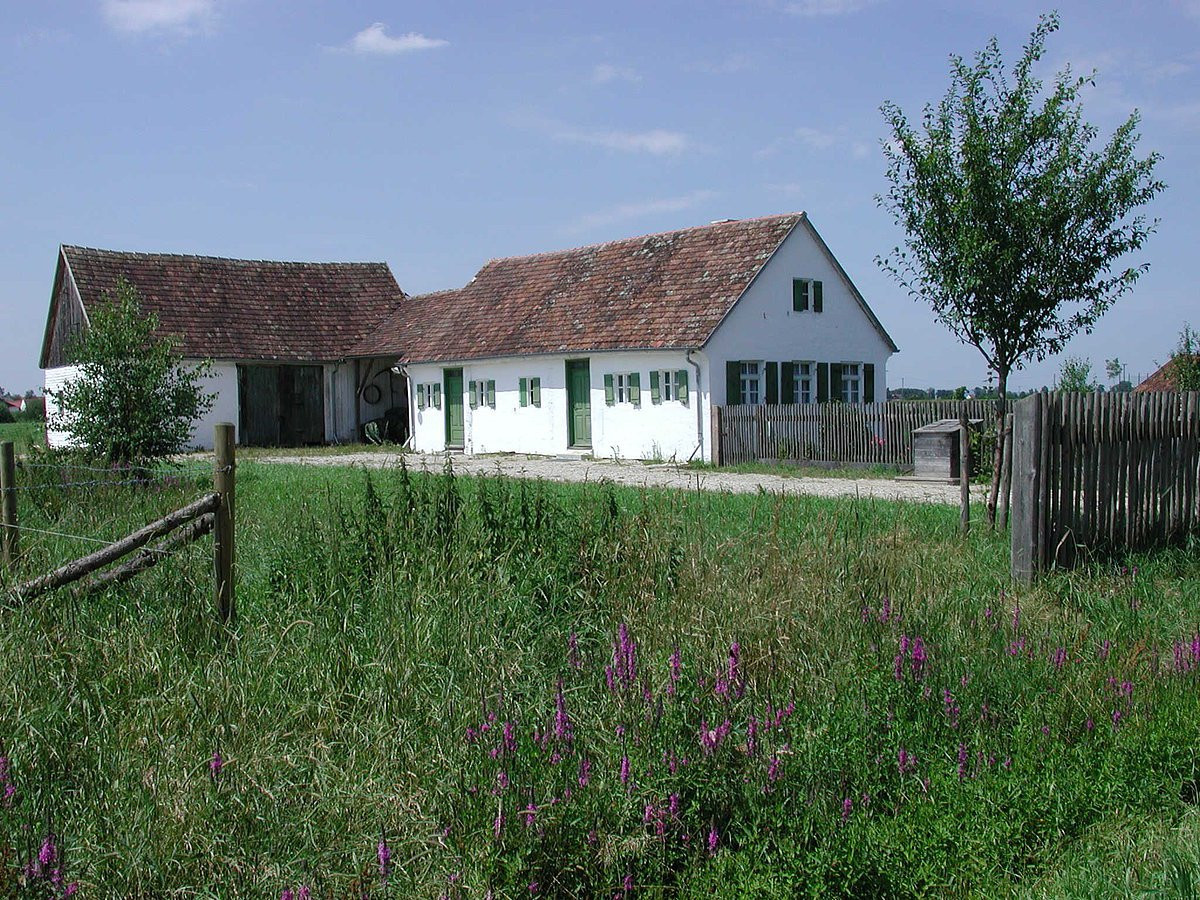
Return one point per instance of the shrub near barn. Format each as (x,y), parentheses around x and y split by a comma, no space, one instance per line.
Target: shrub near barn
(132,399)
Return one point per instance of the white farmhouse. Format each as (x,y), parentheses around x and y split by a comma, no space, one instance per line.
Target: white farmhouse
(277,333)
(620,349)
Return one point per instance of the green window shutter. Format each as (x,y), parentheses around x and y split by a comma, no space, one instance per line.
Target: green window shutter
(471,394)
(772,382)
(822,382)
(799,295)
(787,382)
(817,296)
(437,396)
(535,391)
(420,396)
(655,390)
(491,393)
(681,386)
(609,395)
(524,383)
(635,388)
(733,382)
(868,391)
(835,381)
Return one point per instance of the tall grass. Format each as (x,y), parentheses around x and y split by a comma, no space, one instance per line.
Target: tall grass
(450,686)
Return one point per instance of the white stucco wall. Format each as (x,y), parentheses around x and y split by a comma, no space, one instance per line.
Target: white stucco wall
(222,381)
(762,326)
(650,431)
(55,379)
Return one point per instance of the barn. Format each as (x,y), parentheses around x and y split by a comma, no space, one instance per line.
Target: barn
(277,333)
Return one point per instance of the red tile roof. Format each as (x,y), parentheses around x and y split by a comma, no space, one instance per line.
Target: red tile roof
(1161,380)
(245,309)
(660,291)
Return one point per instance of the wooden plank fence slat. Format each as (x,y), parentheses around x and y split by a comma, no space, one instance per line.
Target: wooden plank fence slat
(1108,471)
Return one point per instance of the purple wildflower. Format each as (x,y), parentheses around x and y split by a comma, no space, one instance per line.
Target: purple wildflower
(562,723)
(885,611)
(1059,658)
(216,764)
(385,859)
(962,761)
(675,664)
(530,813)
(287,894)
(713,838)
(1105,649)
(48,852)
(585,771)
(573,651)
(847,808)
(625,770)
(773,769)
(304,893)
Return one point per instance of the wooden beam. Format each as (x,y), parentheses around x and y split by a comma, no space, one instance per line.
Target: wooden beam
(148,557)
(85,565)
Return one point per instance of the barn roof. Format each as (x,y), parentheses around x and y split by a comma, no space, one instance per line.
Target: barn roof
(237,308)
(659,291)
(1162,380)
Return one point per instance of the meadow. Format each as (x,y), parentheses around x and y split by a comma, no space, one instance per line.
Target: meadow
(449,687)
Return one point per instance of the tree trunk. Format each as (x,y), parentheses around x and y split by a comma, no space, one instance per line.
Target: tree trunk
(998,454)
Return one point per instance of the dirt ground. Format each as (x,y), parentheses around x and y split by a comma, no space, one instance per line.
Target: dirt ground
(638,474)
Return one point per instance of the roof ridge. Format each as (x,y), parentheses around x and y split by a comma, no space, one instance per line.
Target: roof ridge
(641,237)
(225,259)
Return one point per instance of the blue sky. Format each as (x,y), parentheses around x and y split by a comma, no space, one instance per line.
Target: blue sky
(435,136)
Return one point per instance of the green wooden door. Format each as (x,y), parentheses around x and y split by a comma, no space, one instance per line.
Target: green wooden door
(453,387)
(579,403)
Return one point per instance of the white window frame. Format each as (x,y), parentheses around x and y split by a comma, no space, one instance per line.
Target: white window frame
(805,387)
(623,387)
(852,378)
(668,388)
(751,383)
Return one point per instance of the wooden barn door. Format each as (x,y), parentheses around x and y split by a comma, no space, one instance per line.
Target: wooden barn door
(281,406)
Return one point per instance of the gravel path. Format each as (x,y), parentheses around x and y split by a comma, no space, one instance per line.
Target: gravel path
(639,474)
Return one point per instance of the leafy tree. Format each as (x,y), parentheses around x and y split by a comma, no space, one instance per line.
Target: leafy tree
(34,411)
(133,400)
(1076,375)
(6,416)
(1113,368)
(1014,218)
(1185,361)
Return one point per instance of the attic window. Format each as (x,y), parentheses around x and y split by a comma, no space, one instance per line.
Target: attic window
(807,294)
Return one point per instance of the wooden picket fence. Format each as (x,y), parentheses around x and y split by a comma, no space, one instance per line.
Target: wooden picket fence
(1100,472)
(869,433)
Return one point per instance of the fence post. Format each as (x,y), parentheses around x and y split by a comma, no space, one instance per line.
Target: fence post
(9,536)
(223,557)
(1027,488)
(964,471)
(714,414)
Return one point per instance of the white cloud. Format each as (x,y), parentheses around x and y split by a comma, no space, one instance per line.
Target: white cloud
(149,16)
(374,40)
(605,73)
(817,140)
(657,141)
(735,62)
(639,210)
(827,7)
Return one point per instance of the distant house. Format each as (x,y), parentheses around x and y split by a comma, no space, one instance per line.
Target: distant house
(13,404)
(622,348)
(278,333)
(1163,379)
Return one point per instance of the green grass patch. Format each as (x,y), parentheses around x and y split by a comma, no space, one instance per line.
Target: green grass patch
(579,690)
(24,435)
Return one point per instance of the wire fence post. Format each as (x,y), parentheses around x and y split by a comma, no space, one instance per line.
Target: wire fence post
(223,555)
(9,536)
(964,472)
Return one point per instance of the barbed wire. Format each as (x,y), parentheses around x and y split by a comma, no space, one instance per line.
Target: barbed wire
(107,469)
(160,478)
(77,537)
